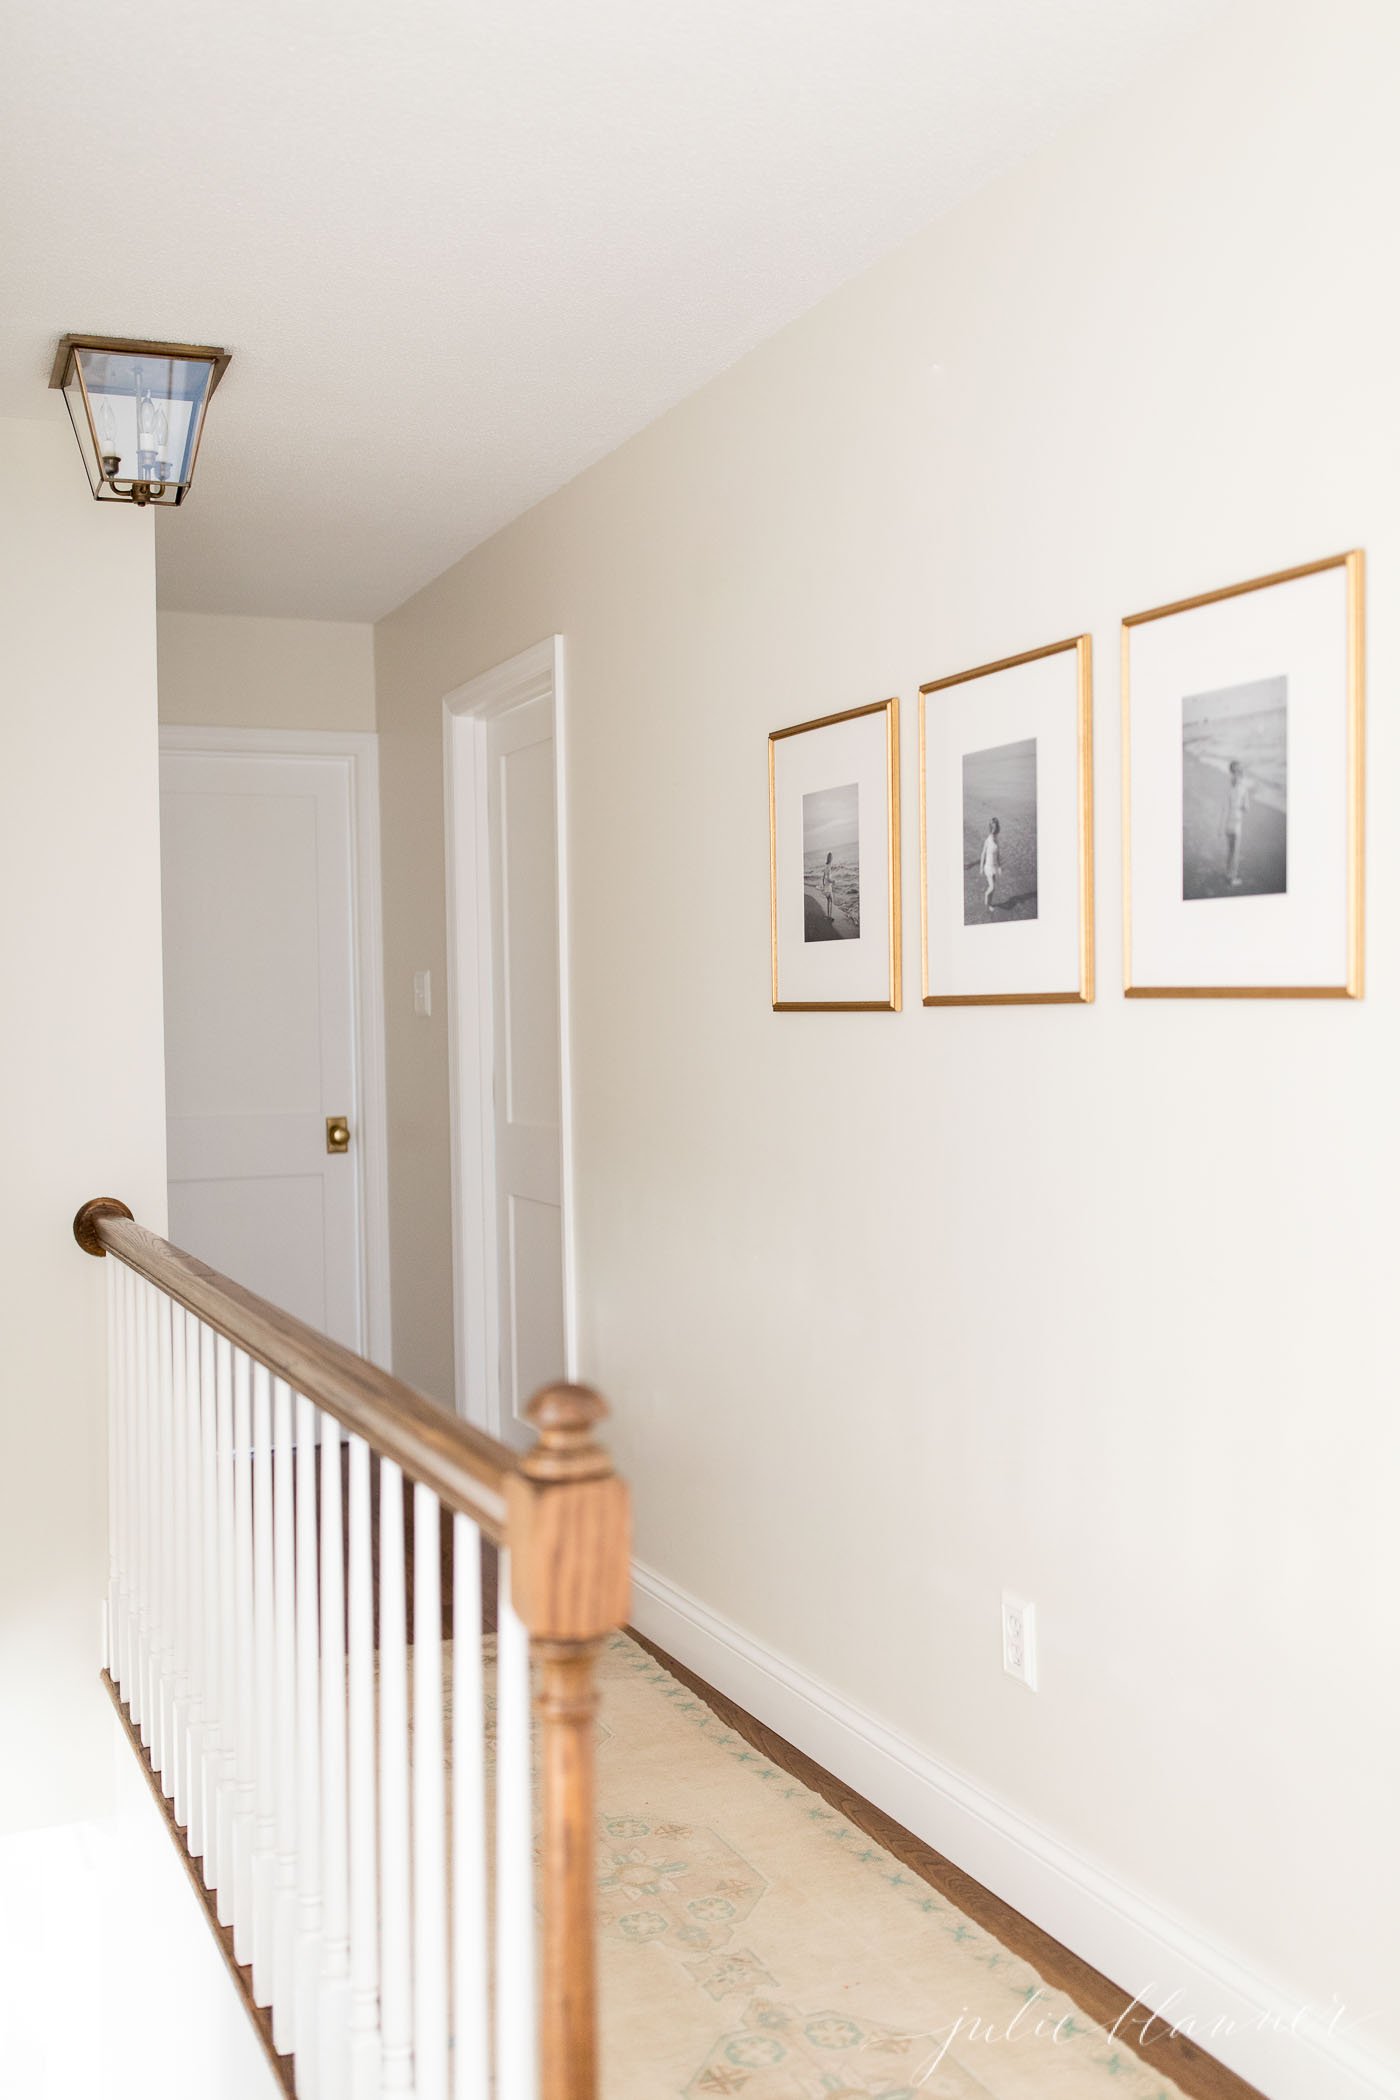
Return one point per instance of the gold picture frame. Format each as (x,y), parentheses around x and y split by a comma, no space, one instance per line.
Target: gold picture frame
(1352,986)
(892,1003)
(1081,646)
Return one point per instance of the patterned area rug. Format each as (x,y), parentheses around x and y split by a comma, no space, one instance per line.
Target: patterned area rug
(755,1943)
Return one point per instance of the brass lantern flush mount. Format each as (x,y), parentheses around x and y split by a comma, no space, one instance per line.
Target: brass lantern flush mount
(138,412)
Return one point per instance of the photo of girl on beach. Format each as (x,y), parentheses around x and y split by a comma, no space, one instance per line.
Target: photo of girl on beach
(1000,876)
(831,864)
(989,866)
(1234,791)
(833,858)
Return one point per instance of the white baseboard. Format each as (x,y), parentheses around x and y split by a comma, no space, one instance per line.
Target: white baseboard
(1290,2052)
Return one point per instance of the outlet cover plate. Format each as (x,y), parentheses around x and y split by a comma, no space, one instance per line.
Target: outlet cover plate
(1018,1639)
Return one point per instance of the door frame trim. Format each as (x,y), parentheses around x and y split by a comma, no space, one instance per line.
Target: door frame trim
(359,749)
(536,674)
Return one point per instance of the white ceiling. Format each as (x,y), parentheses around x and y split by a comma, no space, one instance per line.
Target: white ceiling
(462,248)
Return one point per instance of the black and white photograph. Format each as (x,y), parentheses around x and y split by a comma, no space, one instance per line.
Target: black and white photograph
(999,834)
(1005,757)
(833,848)
(831,864)
(1234,791)
(1243,785)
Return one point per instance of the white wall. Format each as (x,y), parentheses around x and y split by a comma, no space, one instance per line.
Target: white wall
(111,1980)
(1096,1304)
(232,671)
(81,1075)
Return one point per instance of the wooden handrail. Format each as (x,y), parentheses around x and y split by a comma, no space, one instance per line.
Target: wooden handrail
(466,1468)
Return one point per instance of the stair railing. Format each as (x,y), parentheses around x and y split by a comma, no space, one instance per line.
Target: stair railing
(406,1890)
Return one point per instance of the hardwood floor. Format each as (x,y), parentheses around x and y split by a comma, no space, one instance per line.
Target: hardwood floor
(1174,2056)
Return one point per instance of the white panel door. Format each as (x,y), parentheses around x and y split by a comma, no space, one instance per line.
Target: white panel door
(256,870)
(523,845)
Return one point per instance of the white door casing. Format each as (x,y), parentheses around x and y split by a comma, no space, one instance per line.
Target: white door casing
(270,880)
(508,1017)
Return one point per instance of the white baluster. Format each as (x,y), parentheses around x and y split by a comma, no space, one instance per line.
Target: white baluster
(429,1812)
(177,1458)
(194,1595)
(471,2003)
(155,1584)
(264,1689)
(136,1431)
(516,2045)
(333,2043)
(126,1632)
(210,1687)
(363,1780)
(150,1378)
(165,1535)
(119,1485)
(110,1611)
(150,1494)
(227,1754)
(396,1956)
(284,1613)
(308,1945)
(246,1755)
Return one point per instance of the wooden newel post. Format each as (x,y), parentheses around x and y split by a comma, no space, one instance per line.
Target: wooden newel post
(568,1526)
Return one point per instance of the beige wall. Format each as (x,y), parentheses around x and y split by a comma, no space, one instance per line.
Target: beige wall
(1096,1305)
(81,1077)
(231,671)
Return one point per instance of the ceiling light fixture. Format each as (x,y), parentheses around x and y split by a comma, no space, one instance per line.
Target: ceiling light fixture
(138,412)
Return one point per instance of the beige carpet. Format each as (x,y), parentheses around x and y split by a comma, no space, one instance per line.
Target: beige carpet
(755,1943)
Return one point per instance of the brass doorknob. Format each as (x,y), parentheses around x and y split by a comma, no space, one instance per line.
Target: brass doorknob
(337,1134)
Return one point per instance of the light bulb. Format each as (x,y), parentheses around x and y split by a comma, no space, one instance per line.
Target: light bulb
(107,436)
(146,440)
(162,436)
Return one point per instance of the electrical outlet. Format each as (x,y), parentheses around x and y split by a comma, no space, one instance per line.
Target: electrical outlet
(422,993)
(1018,1639)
